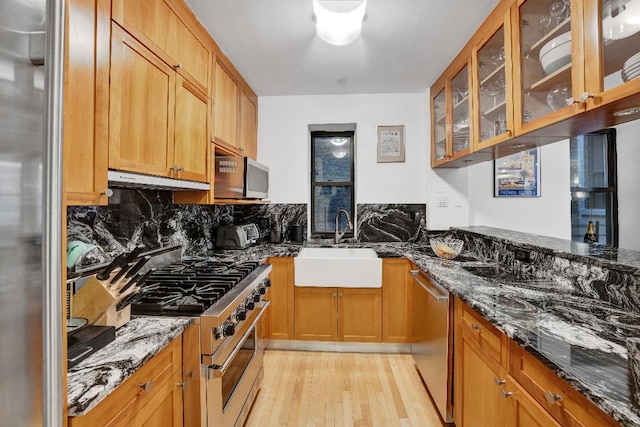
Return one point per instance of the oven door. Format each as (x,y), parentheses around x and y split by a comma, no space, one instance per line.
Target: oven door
(232,385)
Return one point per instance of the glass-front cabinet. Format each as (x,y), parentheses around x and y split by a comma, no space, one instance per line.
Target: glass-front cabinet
(439,137)
(548,62)
(612,43)
(451,121)
(492,112)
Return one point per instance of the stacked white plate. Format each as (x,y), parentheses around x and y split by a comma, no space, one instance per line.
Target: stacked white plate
(631,68)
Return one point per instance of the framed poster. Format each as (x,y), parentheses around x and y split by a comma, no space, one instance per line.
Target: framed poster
(517,175)
(390,144)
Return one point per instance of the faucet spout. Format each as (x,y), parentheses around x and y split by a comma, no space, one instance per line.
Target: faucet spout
(339,235)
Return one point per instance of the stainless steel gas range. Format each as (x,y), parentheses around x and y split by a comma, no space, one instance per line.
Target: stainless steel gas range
(226,300)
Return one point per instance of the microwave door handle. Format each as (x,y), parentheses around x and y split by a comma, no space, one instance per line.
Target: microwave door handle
(219,371)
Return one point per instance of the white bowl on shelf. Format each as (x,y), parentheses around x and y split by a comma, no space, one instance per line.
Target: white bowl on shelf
(556,53)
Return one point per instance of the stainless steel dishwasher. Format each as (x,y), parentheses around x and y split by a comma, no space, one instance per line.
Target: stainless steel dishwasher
(432,341)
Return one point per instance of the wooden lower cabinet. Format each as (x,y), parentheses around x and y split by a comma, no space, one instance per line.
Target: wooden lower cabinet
(396,300)
(478,401)
(191,376)
(338,314)
(498,383)
(152,396)
(280,315)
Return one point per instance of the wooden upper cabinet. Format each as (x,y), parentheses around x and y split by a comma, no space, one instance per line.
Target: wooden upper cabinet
(492,83)
(142,105)
(157,24)
(226,98)
(191,132)
(85,141)
(248,142)
(548,57)
(439,145)
(612,51)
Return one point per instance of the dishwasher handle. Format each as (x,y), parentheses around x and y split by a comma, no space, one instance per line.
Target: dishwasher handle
(443,296)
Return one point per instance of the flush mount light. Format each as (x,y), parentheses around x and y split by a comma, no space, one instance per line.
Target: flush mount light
(339,22)
(627,112)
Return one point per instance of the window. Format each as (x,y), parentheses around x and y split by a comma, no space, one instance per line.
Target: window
(594,186)
(332,186)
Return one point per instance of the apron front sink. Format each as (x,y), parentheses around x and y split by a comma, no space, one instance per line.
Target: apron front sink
(338,267)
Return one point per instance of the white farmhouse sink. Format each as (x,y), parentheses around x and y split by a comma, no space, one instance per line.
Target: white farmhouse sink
(338,267)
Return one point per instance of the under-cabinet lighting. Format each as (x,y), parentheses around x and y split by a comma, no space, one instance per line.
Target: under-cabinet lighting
(518,145)
(627,112)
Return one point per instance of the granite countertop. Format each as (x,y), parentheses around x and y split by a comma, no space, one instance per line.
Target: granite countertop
(580,338)
(93,379)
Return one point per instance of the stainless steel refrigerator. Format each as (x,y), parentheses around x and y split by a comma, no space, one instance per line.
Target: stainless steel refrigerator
(31,59)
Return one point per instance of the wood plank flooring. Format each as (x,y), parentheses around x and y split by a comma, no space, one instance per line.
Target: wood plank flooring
(341,389)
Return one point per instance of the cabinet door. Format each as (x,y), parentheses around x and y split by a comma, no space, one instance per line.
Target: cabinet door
(157,25)
(478,399)
(548,57)
(142,107)
(492,71)
(359,315)
(396,300)
(281,295)
(612,43)
(226,107)
(191,376)
(248,144)
(316,314)
(191,132)
(439,147)
(85,149)
(460,113)
(523,410)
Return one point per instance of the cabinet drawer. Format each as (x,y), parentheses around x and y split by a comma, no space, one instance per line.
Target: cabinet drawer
(121,406)
(565,404)
(486,335)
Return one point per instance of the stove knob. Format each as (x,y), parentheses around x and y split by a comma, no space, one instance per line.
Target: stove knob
(256,297)
(229,329)
(241,314)
(217,333)
(267,283)
(262,290)
(249,304)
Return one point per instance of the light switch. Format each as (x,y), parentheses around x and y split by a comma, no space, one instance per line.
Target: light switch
(443,201)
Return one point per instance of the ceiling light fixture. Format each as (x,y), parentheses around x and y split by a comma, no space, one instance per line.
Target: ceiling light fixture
(339,22)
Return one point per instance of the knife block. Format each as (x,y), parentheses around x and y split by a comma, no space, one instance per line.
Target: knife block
(96,302)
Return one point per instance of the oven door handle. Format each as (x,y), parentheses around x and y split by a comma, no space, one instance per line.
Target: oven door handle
(443,296)
(219,371)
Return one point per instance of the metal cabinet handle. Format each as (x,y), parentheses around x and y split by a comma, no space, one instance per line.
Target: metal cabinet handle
(585,96)
(185,383)
(341,294)
(551,397)
(145,387)
(335,294)
(505,394)
(442,297)
(475,327)
(179,67)
(498,381)
(108,192)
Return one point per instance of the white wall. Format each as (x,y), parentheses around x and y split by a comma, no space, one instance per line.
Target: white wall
(628,145)
(284,143)
(547,215)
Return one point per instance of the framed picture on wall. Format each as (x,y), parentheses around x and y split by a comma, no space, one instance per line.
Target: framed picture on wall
(517,175)
(390,144)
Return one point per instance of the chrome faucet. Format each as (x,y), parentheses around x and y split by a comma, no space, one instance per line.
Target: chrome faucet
(339,235)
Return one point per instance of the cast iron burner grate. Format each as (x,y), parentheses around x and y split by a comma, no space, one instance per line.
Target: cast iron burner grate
(188,287)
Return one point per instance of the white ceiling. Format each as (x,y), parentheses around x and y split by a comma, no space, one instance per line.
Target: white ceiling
(405,44)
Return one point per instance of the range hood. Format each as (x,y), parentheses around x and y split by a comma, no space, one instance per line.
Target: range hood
(118,179)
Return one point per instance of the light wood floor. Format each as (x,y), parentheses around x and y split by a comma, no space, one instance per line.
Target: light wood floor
(341,389)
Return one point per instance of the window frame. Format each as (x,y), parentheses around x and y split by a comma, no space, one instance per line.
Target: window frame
(314,184)
(611,188)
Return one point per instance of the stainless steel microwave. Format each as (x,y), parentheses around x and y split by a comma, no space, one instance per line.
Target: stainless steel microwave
(239,177)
